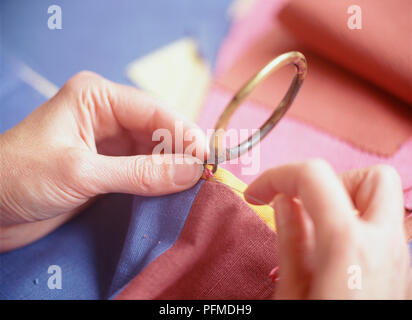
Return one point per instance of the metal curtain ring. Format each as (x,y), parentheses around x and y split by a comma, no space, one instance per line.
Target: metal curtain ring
(222,154)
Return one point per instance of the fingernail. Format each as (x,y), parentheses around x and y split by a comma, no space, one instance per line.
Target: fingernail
(282,208)
(187,174)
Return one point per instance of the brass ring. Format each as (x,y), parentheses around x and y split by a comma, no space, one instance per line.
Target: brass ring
(216,140)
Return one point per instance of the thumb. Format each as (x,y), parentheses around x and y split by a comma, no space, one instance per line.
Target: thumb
(149,175)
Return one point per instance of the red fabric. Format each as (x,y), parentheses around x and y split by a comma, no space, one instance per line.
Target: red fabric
(225,251)
(380,51)
(331,98)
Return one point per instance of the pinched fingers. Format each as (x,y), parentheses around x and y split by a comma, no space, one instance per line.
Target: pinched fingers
(316,185)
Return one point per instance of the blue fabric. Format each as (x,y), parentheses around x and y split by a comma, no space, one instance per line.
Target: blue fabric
(99,251)
(107,245)
(105,36)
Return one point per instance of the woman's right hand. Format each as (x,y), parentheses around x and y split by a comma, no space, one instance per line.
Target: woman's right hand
(339,237)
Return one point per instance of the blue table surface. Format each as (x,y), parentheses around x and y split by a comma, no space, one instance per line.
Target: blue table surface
(101,36)
(104,36)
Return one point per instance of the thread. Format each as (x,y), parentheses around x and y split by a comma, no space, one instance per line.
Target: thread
(274,274)
(208,173)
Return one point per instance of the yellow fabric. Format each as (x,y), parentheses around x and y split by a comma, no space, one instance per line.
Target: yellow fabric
(176,74)
(265,212)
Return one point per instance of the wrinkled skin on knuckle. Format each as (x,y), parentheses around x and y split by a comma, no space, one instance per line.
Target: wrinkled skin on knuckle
(90,98)
(89,89)
(147,177)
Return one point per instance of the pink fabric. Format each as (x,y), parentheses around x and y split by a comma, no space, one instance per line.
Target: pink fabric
(246,30)
(293,140)
(331,98)
(361,114)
